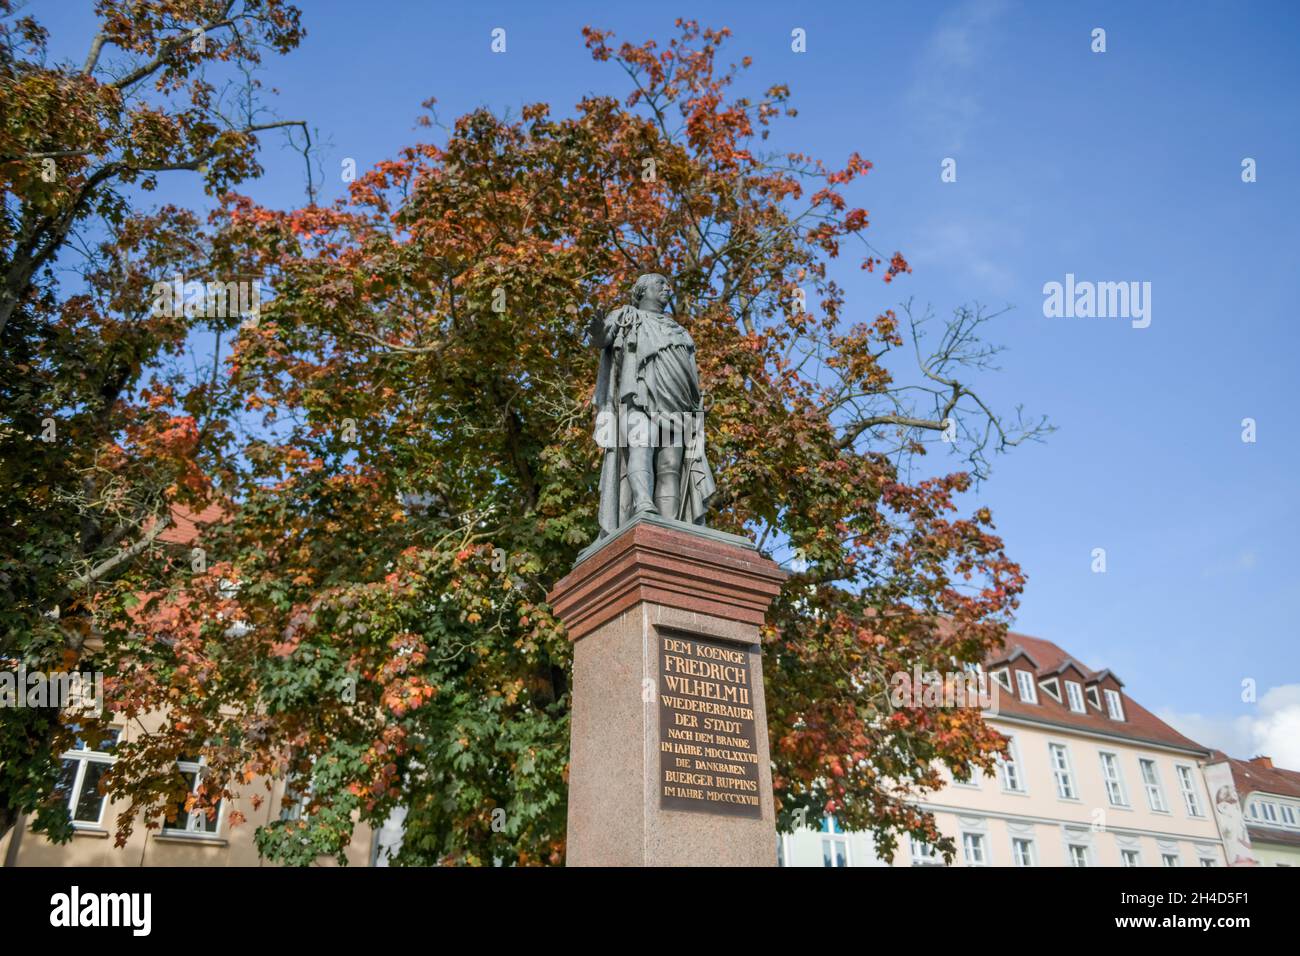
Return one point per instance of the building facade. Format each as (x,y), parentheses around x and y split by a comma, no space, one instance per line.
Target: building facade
(194,839)
(1091,779)
(1258,806)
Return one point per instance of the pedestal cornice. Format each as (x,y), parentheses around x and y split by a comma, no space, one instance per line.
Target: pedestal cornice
(671,564)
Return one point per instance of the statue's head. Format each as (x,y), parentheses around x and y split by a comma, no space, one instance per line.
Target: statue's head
(653,290)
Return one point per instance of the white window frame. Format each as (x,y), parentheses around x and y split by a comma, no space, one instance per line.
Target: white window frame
(1288,815)
(974,781)
(837,849)
(1058,755)
(1029,857)
(1114,704)
(975,840)
(1269,810)
(1094,697)
(196,820)
(1155,792)
(1187,784)
(83,757)
(1125,852)
(1009,769)
(296,811)
(835,843)
(1074,693)
(1166,856)
(1116,781)
(300,788)
(923,854)
(1086,855)
(1027,686)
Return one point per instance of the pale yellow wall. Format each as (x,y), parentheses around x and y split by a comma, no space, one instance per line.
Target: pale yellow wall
(1276,854)
(231,845)
(1092,819)
(1049,843)
(1052,822)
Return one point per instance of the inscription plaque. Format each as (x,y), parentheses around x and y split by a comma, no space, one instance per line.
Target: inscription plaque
(708,754)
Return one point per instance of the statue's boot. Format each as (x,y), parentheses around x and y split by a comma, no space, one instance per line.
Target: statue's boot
(668,494)
(668,483)
(639,484)
(640,464)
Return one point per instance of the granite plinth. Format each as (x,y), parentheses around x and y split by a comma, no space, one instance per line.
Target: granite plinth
(659,585)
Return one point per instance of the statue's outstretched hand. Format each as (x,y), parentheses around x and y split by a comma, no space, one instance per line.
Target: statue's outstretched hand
(597,331)
(603,330)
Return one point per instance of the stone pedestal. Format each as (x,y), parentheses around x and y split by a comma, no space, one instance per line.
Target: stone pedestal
(668,749)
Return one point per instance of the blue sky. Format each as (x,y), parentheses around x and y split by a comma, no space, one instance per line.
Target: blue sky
(1115,166)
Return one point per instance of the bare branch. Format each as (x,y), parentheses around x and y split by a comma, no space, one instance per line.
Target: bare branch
(106,567)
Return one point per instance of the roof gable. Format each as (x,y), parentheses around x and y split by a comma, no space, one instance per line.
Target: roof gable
(1138,723)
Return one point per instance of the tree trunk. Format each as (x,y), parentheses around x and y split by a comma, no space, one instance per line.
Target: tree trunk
(9,817)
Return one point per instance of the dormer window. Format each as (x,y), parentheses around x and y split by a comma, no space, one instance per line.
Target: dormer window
(1052,688)
(1025,684)
(1114,706)
(1003,677)
(1074,691)
(1094,698)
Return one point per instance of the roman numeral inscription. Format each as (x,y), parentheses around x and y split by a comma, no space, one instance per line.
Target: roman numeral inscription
(708,754)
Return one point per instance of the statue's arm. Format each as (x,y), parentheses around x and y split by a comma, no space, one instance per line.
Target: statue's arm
(603,330)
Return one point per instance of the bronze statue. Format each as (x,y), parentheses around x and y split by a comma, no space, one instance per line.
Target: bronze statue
(650,418)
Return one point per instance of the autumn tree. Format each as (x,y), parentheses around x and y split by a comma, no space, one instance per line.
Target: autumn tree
(403,443)
(416,470)
(103,431)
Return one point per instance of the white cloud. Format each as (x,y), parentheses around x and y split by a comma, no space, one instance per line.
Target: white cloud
(1241,562)
(965,244)
(944,101)
(1272,729)
(1232,735)
(942,93)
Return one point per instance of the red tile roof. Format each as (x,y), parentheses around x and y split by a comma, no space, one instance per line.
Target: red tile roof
(1264,834)
(1046,660)
(1258,775)
(1254,776)
(186,523)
